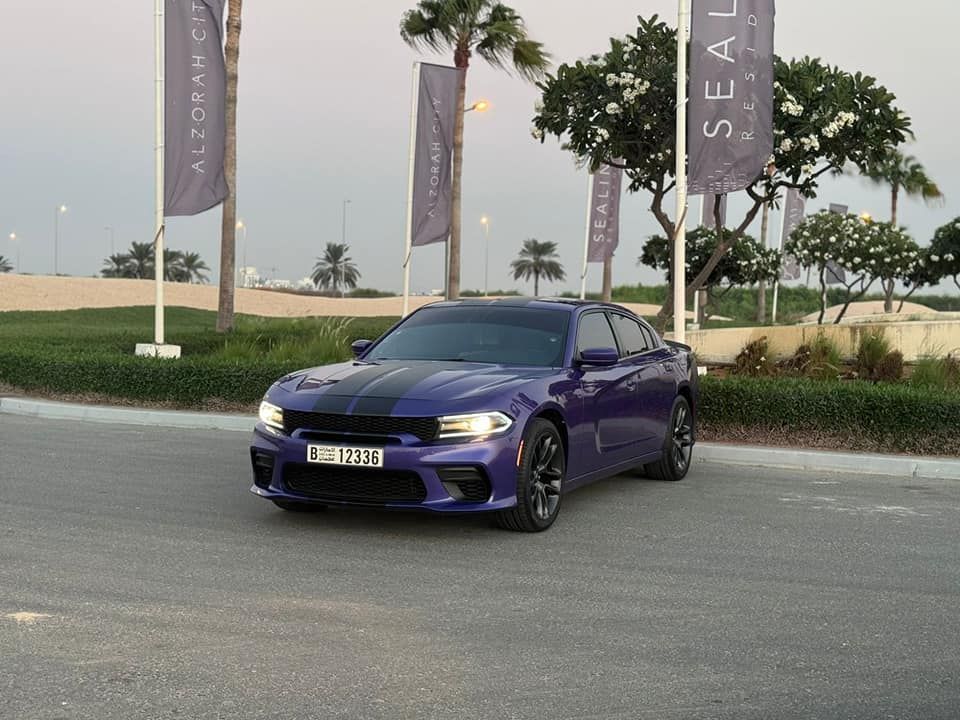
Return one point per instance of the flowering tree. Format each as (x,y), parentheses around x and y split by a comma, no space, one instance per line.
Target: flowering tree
(746,264)
(945,251)
(619,109)
(925,273)
(864,251)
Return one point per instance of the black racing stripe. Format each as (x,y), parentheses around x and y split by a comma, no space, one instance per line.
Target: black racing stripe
(339,395)
(385,395)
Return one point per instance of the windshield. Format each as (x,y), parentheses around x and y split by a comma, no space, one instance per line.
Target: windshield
(482,334)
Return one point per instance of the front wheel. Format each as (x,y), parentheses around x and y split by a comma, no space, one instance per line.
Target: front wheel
(674,464)
(539,480)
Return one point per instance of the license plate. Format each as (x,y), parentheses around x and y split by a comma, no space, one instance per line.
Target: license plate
(351,456)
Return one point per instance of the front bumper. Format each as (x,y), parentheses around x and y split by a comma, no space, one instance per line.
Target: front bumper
(496,458)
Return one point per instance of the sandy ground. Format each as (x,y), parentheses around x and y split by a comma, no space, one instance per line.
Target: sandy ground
(869,309)
(19,292)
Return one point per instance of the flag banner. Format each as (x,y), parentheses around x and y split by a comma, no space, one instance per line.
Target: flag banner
(195,107)
(794,213)
(836,275)
(730,126)
(605,213)
(708,220)
(433,165)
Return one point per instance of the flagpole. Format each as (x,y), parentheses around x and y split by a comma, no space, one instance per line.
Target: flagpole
(159,330)
(776,284)
(680,235)
(586,242)
(408,245)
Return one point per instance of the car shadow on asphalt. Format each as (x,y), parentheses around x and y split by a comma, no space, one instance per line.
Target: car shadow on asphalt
(588,504)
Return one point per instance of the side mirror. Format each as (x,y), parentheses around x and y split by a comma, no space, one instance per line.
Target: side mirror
(600,357)
(360,347)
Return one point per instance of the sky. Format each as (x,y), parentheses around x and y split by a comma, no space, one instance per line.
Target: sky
(324,117)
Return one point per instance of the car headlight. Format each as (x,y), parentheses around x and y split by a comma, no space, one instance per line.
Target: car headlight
(271,415)
(476,425)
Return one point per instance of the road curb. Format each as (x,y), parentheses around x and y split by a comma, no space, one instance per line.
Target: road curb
(741,455)
(126,416)
(824,461)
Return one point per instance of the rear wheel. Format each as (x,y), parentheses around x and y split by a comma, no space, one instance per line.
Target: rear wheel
(677,445)
(539,480)
(299,507)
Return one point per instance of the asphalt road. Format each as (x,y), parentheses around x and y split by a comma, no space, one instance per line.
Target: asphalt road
(139,579)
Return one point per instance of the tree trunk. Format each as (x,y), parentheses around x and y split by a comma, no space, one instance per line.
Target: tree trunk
(536,284)
(456,218)
(228,232)
(823,294)
(762,294)
(894,204)
(889,286)
(702,306)
(608,279)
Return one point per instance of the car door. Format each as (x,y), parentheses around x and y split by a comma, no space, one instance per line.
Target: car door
(609,395)
(642,351)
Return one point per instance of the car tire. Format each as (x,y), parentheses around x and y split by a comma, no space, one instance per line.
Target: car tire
(674,464)
(540,477)
(299,507)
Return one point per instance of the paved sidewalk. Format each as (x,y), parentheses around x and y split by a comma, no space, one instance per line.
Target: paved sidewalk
(747,456)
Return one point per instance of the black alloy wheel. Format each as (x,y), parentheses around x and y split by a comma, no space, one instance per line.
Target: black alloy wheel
(539,480)
(677,445)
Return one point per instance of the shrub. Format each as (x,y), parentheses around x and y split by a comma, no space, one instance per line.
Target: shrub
(890,369)
(937,373)
(820,360)
(753,360)
(898,417)
(874,347)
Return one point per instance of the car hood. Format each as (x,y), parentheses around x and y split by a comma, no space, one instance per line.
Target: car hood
(364,384)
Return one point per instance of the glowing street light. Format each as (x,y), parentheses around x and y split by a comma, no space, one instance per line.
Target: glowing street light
(479,106)
(866,217)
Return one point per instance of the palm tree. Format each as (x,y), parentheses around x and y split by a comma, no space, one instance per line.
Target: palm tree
(5,265)
(228,230)
(141,261)
(536,260)
(195,268)
(498,35)
(173,267)
(336,270)
(903,173)
(117,266)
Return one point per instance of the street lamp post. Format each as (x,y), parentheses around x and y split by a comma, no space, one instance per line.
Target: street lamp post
(13,239)
(242,227)
(57,212)
(485,222)
(344,235)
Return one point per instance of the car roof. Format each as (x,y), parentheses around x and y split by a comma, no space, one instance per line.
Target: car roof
(568,304)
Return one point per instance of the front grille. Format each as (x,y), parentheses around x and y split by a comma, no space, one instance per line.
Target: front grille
(361,485)
(423,428)
(468,484)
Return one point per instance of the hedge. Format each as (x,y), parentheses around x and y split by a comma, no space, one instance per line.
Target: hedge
(897,417)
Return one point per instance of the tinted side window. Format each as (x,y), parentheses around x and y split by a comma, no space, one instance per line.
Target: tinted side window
(632,335)
(595,333)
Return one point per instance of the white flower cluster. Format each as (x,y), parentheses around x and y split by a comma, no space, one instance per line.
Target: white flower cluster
(843,120)
(810,142)
(536,132)
(614,109)
(633,87)
(602,134)
(791,107)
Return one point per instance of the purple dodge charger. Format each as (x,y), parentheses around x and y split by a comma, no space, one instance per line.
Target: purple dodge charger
(481,406)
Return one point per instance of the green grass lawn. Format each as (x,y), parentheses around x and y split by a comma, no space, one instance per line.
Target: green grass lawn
(78,352)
